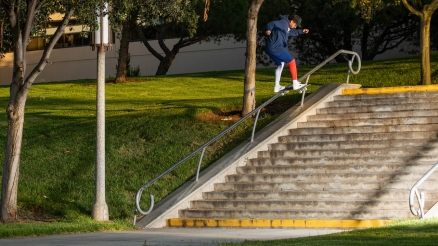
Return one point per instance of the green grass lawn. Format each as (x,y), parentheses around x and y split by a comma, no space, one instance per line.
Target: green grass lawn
(151,123)
(402,233)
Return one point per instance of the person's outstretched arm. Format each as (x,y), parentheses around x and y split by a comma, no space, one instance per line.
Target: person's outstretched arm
(296,32)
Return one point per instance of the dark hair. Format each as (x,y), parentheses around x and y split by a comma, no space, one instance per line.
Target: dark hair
(297,19)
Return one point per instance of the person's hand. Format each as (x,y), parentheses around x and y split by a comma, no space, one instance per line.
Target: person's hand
(268,32)
(305,30)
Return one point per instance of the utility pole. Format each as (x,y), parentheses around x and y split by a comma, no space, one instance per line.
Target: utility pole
(101,40)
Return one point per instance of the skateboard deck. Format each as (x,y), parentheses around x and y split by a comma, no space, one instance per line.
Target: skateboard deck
(287,89)
(304,88)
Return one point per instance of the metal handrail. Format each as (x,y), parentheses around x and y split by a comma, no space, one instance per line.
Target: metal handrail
(420,197)
(250,114)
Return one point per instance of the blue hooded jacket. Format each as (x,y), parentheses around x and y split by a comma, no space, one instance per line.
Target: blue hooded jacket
(280,32)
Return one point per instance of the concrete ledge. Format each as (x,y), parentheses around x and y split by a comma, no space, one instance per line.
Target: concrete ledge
(261,223)
(180,199)
(388,90)
(433,212)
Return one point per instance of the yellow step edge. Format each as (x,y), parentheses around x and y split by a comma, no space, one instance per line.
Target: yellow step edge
(260,223)
(388,90)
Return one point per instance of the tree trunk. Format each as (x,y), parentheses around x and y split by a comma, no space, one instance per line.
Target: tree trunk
(425,15)
(15,113)
(364,42)
(2,23)
(425,49)
(249,100)
(123,53)
(166,62)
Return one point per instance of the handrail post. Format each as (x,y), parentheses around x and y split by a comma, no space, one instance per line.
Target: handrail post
(304,91)
(421,196)
(199,163)
(255,124)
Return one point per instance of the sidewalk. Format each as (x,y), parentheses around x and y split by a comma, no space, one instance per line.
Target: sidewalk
(166,237)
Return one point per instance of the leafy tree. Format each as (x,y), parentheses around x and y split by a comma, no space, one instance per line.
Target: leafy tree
(24,18)
(184,19)
(384,25)
(423,9)
(181,17)
(331,28)
(164,16)
(389,27)
(341,24)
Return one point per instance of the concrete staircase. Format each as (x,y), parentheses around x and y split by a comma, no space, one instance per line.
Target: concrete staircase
(350,165)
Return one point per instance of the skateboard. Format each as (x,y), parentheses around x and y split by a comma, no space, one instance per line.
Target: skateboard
(287,89)
(304,88)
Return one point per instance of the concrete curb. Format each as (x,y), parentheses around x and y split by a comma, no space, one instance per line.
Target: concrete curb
(388,90)
(260,223)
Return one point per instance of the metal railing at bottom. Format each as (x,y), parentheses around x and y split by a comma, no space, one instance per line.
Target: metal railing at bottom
(420,196)
(250,114)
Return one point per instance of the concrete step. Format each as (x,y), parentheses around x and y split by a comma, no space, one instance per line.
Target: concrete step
(299,214)
(379,115)
(386,96)
(401,136)
(385,194)
(344,160)
(409,151)
(327,177)
(339,204)
(334,168)
(381,102)
(379,108)
(323,186)
(363,129)
(393,143)
(370,122)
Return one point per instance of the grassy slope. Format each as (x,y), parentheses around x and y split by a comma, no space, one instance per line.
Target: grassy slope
(151,123)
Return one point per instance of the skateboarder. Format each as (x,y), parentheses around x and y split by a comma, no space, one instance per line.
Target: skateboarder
(276,47)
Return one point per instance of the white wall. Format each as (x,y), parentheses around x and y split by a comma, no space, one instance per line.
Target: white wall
(80,62)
